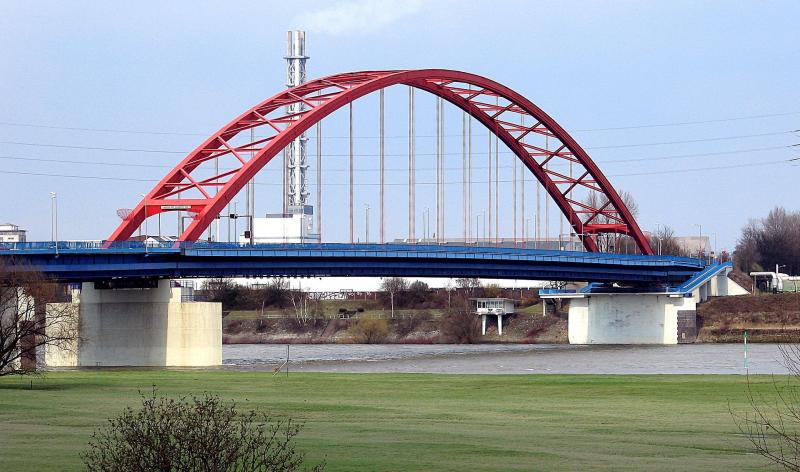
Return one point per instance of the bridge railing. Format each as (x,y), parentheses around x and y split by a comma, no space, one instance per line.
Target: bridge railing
(501,251)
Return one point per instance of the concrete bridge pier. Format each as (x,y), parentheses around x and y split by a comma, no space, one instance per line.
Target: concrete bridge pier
(627,318)
(142,327)
(609,315)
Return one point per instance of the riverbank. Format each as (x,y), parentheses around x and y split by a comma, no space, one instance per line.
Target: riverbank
(768,318)
(408,327)
(410,422)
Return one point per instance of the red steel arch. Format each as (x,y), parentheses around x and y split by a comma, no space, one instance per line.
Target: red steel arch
(211,192)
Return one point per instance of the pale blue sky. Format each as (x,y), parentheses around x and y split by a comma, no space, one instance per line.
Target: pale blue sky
(189,67)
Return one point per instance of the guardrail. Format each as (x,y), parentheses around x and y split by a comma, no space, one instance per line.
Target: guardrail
(168,246)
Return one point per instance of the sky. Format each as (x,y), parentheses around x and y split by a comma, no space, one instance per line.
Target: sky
(692,107)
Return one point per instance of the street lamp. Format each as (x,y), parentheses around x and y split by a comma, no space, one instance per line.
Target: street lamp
(483,213)
(700,244)
(366,223)
(425,222)
(54,219)
(144,200)
(658,237)
(477,225)
(525,236)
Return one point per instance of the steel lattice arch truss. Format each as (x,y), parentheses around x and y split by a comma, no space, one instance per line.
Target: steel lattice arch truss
(544,147)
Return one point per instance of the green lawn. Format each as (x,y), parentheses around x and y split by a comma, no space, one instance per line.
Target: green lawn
(368,422)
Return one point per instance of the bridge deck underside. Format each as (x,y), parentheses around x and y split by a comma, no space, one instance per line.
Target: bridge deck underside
(82,264)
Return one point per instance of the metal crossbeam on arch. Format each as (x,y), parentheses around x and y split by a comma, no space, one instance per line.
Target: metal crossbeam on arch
(321,97)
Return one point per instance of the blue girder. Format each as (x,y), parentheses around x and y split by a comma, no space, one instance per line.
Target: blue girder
(87,261)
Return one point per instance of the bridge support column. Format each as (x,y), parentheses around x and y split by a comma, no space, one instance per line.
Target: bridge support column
(143,327)
(626,318)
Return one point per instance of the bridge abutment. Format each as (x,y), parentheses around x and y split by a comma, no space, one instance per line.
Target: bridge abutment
(626,318)
(142,327)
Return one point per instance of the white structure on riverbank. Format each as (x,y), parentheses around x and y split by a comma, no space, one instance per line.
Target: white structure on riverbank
(498,307)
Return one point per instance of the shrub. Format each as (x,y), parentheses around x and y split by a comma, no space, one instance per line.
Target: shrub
(193,435)
(460,325)
(370,331)
(407,324)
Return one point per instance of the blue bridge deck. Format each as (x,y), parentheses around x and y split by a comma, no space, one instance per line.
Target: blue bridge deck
(87,261)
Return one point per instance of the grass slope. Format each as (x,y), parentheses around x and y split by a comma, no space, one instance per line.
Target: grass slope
(377,422)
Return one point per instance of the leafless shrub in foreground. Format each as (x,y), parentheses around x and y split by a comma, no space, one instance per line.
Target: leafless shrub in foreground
(772,425)
(201,434)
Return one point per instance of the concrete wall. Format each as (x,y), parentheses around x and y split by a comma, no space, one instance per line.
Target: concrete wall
(626,319)
(144,327)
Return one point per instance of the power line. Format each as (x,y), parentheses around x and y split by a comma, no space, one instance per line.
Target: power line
(90,148)
(99,130)
(581,130)
(688,141)
(598,161)
(700,169)
(617,146)
(685,123)
(670,171)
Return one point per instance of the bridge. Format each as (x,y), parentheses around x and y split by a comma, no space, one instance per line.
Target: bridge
(635,297)
(84,262)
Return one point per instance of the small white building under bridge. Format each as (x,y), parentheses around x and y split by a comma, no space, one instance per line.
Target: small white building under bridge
(498,307)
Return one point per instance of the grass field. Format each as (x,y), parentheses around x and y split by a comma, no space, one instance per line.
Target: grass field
(366,422)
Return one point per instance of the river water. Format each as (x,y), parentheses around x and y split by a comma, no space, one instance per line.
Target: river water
(508,358)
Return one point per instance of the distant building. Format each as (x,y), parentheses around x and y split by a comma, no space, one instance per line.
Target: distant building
(282,228)
(151,240)
(694,245)
(10,233)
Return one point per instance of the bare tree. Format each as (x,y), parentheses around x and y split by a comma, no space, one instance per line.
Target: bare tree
(769,241)
(469,285)
(275,293)
(224,291)
(611,242)
(460,324)
(663,241)
(28,324)
(393,286)
(773,425)
(303,306)
(200,434)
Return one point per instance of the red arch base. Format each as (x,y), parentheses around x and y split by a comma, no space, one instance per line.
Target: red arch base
(190,187)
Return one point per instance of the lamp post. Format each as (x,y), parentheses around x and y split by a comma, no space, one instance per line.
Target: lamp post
(658,237)
(483,213)
(425,222)
(700,248)
(525,238)
(366,223)
(54,219)
(144,241)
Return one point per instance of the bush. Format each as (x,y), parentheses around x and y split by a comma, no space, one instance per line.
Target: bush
(370,331)
(201,434)
(460,325)
(407,324)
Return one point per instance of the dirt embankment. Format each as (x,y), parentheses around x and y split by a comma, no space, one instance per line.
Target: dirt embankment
(527,327)
(767,318)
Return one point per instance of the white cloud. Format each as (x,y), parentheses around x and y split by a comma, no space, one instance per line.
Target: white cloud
(357,16)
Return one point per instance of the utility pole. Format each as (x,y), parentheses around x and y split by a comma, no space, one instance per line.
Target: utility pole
(366,223)
(54,218)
